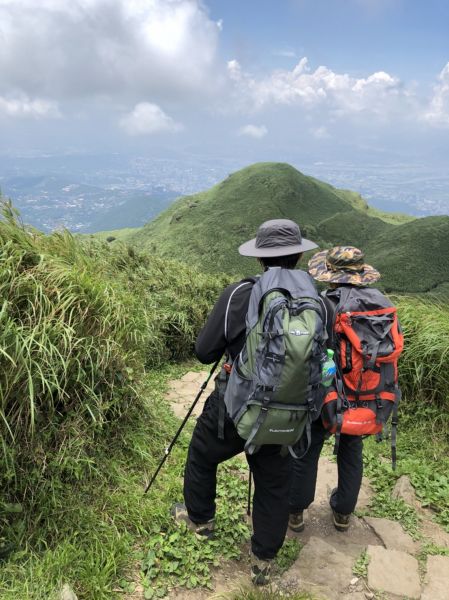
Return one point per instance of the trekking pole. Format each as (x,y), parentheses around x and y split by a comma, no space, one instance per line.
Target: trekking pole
(168,449)
(248,509)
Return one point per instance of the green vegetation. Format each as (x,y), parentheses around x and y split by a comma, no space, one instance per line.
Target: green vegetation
(288,554)
(423,435)
(119,235)
(335,230)
(413,257)
(423,451)
(206,229)
(425,361)
(86,330)
(174,556)
(360,567)
(362,205)
(90,333)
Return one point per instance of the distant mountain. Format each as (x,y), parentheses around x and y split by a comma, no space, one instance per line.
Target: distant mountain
(133,209)
(206,229)
(49,202)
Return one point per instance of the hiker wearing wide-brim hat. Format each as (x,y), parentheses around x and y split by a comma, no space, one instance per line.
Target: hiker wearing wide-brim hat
(342,265)
(278,243)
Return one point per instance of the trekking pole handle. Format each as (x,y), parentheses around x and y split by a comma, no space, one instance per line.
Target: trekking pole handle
(168,449)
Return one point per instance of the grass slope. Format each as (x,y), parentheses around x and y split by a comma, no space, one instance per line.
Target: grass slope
(362,205)
(354,230)
(120,235)
(413,257)
(86,327)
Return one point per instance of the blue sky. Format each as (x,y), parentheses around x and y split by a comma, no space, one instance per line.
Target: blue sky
(264,79)
(408,37)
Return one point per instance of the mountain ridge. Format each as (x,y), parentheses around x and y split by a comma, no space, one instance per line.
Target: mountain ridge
(206,229)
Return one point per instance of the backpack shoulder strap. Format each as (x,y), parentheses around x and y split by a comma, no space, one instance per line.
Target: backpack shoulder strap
(242,283)
(251,279)
(345,294)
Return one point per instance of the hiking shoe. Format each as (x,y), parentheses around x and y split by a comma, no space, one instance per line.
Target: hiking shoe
(201,530)
(296,521)
(341,522)
(260,570)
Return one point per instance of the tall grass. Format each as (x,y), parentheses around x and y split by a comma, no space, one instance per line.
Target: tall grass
(81,324)
(424,365)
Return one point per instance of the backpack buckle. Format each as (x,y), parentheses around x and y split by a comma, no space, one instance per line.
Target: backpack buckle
(275,358)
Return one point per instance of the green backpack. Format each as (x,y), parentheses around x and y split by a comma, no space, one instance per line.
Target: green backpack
(274,390)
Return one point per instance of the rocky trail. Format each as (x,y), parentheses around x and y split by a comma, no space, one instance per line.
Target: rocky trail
(325,565)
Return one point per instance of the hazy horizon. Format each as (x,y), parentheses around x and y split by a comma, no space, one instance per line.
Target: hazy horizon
(327,86)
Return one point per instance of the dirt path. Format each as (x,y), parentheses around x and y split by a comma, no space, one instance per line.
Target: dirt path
(325,563)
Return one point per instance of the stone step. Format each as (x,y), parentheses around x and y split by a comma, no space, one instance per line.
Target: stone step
(393,572)
(392,535)
(437,578)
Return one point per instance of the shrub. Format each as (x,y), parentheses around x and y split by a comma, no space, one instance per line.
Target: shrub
(424,365)
(81,322)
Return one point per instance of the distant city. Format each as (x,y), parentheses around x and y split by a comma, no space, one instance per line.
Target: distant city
(85,193)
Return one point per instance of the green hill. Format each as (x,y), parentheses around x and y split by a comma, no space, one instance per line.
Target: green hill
(207,228)
(414,256)
(354,229)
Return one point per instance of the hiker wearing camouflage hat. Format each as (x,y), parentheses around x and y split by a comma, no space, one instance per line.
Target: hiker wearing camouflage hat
(343,268)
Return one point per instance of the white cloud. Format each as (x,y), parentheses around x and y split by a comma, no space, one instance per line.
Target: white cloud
(320,133)
(146,119)
(285,53)
(61,49)
(438,111)
(235,70)
(23,107)
(340,93)
(254,131)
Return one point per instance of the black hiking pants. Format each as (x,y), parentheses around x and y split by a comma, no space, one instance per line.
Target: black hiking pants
(271,473)
(350,471)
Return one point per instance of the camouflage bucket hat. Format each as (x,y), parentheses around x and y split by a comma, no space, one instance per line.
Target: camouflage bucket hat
(342,264)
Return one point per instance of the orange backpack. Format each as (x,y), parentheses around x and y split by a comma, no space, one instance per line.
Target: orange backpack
(368,342)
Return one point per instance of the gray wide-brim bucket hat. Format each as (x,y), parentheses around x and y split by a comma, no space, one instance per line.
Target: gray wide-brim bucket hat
(278,237)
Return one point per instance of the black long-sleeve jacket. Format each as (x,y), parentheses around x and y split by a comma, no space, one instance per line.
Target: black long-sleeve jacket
(225,327)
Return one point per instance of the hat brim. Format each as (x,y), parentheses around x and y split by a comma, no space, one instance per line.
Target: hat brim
(249,249)
(319,270)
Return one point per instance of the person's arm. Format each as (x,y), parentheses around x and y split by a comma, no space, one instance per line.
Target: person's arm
(225,327)
(211,342)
